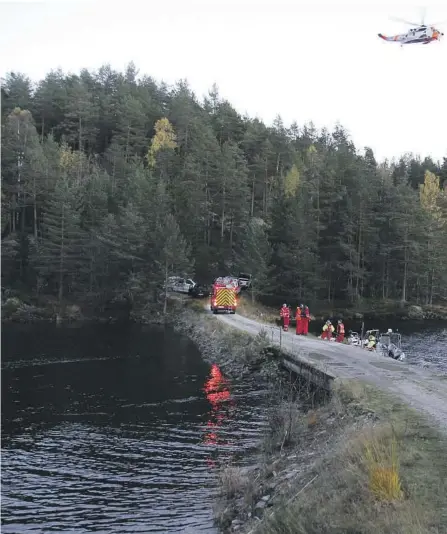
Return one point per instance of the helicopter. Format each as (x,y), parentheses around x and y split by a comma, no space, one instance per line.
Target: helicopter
(418,34)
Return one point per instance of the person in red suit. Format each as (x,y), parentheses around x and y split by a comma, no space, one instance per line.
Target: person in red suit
(340,332)
(305,319)
(285,316)
(299,323)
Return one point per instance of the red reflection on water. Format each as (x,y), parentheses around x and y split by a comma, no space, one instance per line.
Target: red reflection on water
(217,392)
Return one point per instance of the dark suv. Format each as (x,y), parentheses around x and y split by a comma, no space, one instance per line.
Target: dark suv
(199,291)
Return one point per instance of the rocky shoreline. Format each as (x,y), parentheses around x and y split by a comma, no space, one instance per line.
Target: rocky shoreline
(15,309)
(385,310)
(237,354)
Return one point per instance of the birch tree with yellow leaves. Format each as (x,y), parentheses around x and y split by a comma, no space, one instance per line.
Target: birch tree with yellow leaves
(163,142)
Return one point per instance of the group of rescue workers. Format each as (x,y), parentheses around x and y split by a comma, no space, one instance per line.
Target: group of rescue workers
(302,316)
(328,330)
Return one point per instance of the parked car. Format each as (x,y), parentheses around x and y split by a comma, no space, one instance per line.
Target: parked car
(183,285)
(244,280)
(200,291)
(171,282)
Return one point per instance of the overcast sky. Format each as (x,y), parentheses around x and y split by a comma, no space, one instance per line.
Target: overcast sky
(305,60)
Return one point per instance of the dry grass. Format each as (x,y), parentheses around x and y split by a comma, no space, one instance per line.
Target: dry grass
(233,481)
(236,485)
(312,418)
(198,305)
(286,423)
(382,465)
(388,477)
(256,311)
(288,416)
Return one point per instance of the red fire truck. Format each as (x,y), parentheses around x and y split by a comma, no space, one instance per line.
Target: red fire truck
(224,295)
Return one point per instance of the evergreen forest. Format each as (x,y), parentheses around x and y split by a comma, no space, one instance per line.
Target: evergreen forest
(112,182)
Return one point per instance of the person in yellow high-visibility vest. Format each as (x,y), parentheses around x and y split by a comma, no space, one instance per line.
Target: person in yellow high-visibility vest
(371,342)
(328,330)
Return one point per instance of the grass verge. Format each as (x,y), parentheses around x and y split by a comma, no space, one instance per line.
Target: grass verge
(257,311)
(363,463)
(388,477)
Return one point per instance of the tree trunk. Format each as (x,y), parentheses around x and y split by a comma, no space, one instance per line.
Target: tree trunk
(265,187)
(404,281)
(126,156)
(222,220)
(165,304)
(359,255)
(432,286)
(35,222)
(80,135)
(252,209)
(61,262)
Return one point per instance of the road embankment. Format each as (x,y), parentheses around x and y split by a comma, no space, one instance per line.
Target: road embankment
(237,353)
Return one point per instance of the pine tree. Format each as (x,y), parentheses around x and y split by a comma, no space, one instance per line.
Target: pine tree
(254,255)
(60,254)
(173,252)
(81,115)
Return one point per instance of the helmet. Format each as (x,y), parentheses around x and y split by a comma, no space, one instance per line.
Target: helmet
(284,305)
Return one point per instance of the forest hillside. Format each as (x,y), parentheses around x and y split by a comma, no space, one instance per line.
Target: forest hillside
(111,182)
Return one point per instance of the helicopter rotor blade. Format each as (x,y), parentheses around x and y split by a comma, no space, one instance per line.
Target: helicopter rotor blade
(438,23)
(424,12)
(415,24)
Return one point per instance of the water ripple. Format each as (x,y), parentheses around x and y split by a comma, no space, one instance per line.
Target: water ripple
(427,348)
(84,451)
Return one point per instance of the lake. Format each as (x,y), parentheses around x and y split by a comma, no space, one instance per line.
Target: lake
(117,429)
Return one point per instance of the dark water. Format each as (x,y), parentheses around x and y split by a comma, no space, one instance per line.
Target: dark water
(126,434)
(427,348)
